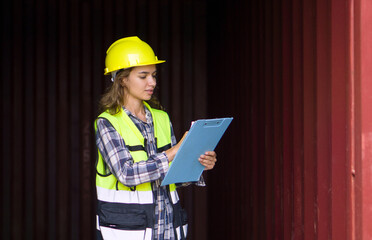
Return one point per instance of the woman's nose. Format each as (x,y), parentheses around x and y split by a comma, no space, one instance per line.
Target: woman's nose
(152,81)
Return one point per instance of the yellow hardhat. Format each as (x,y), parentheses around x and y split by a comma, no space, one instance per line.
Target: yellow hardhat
(129,52)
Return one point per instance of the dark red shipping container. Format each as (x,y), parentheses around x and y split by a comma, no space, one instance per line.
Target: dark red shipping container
(296,162)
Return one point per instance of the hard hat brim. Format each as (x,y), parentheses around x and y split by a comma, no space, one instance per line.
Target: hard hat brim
(109,71)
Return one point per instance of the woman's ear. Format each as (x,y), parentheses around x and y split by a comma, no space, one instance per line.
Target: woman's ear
(123,81)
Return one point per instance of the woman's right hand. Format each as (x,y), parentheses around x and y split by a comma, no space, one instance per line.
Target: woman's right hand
(171,153)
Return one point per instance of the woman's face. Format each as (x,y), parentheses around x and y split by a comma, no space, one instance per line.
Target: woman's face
(140,83)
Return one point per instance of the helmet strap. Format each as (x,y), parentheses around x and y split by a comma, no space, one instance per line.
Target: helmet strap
(113,74)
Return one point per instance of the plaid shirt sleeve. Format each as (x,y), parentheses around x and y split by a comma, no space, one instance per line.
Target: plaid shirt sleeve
(119,161)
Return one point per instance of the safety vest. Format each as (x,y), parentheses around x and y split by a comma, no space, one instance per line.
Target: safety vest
(129,213)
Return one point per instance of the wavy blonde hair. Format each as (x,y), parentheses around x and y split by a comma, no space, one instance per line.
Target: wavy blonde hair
(113,99)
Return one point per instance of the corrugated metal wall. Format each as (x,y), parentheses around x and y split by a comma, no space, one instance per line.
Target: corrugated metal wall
(293,73)
(284,70)
(52,60)
(361,147)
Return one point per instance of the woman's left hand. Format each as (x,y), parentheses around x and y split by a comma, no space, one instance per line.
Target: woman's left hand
(208,160)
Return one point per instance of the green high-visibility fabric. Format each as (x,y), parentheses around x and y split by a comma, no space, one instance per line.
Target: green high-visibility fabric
(133,137)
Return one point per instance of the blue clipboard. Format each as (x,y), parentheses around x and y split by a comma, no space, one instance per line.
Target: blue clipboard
(203,136)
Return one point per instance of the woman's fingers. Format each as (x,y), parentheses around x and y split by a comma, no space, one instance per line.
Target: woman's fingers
(208,160)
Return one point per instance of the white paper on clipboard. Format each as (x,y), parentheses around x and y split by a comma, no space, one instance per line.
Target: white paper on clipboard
(203,136)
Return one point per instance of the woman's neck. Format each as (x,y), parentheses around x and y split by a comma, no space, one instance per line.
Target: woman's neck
(136,108)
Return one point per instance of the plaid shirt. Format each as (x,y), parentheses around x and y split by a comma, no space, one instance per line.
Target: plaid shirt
(113,150)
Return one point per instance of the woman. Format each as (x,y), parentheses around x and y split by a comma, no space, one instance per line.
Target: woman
(136,144)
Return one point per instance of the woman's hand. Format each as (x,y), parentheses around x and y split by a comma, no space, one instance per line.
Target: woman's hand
(208,160)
